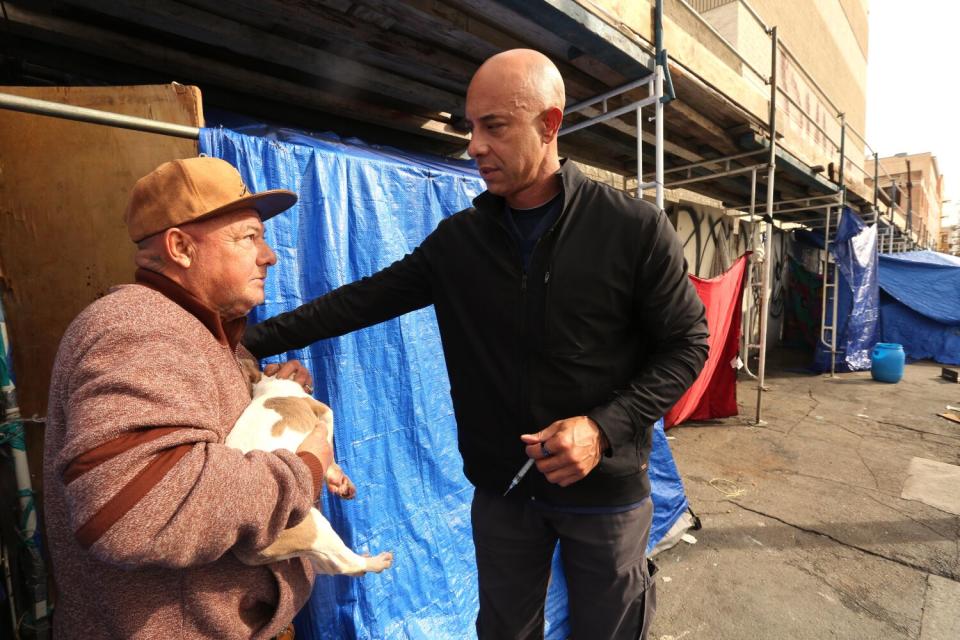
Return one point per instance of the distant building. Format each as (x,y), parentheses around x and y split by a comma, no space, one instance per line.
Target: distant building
(950,230)
(912,184)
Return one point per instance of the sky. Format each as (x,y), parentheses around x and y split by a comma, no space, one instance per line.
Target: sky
(913,88)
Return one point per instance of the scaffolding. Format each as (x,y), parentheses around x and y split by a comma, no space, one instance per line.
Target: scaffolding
(654,83)
(825,209)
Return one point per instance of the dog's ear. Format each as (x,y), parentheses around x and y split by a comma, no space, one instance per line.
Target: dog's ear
(251,372)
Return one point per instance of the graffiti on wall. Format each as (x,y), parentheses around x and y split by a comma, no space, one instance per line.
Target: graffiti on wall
(711,246)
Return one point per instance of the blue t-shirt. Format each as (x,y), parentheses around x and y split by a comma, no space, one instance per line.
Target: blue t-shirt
(528,225)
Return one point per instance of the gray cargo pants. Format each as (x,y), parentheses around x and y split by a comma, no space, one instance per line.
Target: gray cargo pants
(612,595)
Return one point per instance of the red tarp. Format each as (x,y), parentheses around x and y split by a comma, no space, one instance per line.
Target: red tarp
(714,394)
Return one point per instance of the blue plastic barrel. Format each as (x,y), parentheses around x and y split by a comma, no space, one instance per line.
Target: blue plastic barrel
(886,362)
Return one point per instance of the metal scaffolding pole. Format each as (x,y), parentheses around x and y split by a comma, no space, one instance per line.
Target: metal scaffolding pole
(747,316)
(768,239)
(95,116)
(658,152)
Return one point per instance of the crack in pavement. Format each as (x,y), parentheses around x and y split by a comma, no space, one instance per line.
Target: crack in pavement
(876,482)
(923,603)
(949,575)
(816,403)
(920,431)
(851,600)
(835,481)
(906,515)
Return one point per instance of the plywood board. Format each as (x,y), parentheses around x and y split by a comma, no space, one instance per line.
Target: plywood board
(63,189)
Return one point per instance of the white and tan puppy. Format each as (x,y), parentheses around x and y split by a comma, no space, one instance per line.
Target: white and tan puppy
(280,416)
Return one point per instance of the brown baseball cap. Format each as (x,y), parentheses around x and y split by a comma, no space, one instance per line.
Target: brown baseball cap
(182,191)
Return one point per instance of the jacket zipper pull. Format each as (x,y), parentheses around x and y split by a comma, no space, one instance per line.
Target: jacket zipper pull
(546,277)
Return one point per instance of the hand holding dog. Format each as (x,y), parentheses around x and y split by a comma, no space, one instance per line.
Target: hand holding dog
(567,450)
(317,444)
(293,370)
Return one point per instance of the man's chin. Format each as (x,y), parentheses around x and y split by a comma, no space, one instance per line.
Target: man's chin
(495,187)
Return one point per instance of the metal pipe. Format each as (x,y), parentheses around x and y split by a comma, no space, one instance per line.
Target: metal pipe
(768,244)
(748,317)
(658,26)
(843,155)
(607,116)
(721,174)
(639,153)
(95,116)
(909,200)
(713,161)
(809,199)
(659,106)
(612,93)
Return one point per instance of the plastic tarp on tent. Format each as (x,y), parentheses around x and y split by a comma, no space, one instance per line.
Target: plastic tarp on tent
(360,209)
(858,298)
(714,393)
(920,308)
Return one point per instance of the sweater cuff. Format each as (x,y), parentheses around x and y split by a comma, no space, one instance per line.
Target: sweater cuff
(615,425)
(316,470)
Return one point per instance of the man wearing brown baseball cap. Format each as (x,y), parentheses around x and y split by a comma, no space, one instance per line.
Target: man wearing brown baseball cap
(182,191)
(143,499)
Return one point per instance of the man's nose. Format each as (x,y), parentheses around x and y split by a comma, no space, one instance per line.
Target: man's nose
(267,256)
(477,146)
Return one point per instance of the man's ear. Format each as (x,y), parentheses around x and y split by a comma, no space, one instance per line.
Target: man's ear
(179,247)
(551,118)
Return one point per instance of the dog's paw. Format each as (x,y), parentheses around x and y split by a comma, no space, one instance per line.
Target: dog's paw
(379,562)
(339,484)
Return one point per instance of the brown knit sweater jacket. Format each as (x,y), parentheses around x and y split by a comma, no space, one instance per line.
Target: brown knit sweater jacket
(143,501)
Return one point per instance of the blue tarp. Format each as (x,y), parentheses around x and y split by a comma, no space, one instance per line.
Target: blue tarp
(855,251)
(921,304)
(360,209)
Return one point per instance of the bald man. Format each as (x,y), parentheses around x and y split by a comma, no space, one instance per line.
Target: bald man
(569,327)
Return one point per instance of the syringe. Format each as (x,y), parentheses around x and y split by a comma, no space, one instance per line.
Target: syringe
(517,478)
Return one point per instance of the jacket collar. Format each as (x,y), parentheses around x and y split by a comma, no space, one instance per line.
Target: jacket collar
(226,333)
(570,176)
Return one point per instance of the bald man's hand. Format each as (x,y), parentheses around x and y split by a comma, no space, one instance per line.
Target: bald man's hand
(292,370)
(567,450)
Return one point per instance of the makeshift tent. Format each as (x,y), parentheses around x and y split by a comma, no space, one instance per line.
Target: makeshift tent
(714,393)
(920,304)
(360,209)
(854,249)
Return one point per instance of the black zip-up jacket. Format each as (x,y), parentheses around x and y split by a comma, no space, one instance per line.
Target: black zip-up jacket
(604,323)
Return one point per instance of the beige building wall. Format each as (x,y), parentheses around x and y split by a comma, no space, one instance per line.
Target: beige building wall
(828,39)
(824,52)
